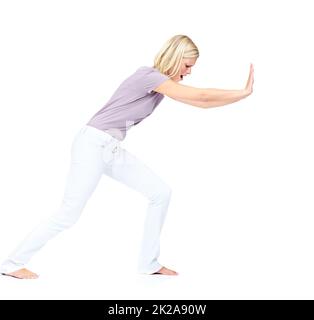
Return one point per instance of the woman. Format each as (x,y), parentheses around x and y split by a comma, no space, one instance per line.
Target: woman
(96,151)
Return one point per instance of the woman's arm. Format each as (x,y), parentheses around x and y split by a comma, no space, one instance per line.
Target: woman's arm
(227,97)
(205,98)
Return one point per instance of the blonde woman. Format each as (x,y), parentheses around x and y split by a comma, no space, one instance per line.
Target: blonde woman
(96,151)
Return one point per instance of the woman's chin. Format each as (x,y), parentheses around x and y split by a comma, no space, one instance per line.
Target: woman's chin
(177,79)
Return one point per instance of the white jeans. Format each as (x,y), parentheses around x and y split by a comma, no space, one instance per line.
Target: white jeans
(93,153)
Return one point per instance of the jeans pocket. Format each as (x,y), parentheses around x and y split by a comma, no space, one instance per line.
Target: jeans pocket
(107,155)
(110,150)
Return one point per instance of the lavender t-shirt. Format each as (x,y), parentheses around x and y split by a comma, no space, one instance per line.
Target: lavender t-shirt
(133,101)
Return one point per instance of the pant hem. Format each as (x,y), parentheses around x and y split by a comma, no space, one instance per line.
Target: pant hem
(10,268)
(151,270)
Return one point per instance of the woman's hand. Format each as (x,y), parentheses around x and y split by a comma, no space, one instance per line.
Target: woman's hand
(249,84)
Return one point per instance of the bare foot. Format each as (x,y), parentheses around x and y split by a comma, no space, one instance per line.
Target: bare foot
(166,271)
(22,274)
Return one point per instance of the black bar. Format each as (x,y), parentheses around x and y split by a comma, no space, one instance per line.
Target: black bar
(153,309)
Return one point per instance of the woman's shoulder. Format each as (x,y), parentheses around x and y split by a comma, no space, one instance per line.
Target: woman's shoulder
(147,69)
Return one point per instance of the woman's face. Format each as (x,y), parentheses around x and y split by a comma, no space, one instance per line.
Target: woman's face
(185,69)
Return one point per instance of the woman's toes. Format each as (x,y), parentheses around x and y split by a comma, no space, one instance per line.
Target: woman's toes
(166,271)
(22,274)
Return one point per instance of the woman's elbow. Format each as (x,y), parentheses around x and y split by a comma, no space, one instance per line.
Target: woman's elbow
(205,97)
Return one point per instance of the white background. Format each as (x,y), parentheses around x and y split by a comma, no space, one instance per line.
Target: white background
(240,223)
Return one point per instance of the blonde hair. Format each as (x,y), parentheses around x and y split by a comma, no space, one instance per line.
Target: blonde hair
(169,58)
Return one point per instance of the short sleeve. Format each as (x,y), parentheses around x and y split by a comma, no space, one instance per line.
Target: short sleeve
(152,78)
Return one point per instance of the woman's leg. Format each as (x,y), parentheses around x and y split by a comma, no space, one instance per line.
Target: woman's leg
(85,172)
(127,169)
(92,155)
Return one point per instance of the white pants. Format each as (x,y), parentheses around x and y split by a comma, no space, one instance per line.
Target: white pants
(93,153)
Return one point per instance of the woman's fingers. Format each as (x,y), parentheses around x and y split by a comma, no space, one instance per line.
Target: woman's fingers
(249,83)
(252,74)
